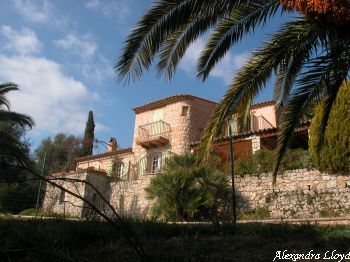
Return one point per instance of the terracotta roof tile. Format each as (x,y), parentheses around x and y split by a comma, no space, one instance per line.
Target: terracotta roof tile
(181,97)
(166,101)
(107,154)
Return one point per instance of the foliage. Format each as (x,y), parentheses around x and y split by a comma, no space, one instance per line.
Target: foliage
(32,212)
(255,214)
(88,141)
(310,59)
(184,189)
(60,153)
(334,155)
(65,240)
(13,150)
(15,197)
(336,11)
(262,162)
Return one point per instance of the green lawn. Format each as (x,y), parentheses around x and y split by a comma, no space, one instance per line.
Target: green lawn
(59,240)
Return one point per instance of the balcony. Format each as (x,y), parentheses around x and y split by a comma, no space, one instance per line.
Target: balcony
(154,134)
(254,123)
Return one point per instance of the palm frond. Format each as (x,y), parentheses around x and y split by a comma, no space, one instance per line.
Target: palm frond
(5,88)
(242,20)
(320,83)
(144,41)
(290,68)
(11,147)
(177,43)
(164,18)
(22,120)
(255,74)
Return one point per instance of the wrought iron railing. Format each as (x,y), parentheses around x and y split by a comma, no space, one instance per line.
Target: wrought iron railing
(253,123)
(155,129)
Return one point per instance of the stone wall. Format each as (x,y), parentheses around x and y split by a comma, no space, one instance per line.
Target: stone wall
(129,197)
(297,194)
(58,201)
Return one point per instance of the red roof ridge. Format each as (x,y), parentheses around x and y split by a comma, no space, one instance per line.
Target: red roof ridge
(168,100)
(106,154)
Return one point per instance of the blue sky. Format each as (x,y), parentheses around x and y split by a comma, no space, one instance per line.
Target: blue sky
(61,53)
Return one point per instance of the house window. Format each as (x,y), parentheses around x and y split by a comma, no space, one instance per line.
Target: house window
(185,110)
(156,164)
(119,170)
(61,198)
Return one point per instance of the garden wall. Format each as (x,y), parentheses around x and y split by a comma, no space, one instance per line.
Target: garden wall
(298,193)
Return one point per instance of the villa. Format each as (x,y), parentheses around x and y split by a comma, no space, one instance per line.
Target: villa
(172,125)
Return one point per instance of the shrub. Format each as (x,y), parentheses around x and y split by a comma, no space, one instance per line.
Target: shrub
(255,214)
(16,197)
(334,155)
(185,191)
(263,161)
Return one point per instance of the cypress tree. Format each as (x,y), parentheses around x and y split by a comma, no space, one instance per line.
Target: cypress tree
(88,135)
(334,156)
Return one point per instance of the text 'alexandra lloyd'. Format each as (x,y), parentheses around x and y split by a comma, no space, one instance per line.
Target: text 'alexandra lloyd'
(333,255)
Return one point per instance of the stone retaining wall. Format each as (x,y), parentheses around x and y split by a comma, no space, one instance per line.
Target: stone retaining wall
(298,194)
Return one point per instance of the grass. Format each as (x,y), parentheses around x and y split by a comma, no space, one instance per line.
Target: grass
(61,240)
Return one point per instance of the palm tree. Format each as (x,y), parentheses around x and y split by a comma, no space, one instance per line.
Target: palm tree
(310,54)
(10,145)
(184,188)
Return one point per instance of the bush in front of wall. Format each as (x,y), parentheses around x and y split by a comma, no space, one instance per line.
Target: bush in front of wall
(262,162)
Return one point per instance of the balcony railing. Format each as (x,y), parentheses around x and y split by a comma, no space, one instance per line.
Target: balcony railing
(254,123)
(154,134)
(260,123)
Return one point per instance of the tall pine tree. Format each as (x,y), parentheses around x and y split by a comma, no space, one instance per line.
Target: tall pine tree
(89,135)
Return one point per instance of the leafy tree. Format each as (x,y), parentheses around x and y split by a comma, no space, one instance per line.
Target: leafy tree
(18,196)
(310,54)
(334,155)
(89,135)
(60,152)
(184,189)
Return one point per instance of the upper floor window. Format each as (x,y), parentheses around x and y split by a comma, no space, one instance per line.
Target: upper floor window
(158,115)
(185,110)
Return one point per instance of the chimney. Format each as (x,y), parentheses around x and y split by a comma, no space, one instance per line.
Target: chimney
(112,145)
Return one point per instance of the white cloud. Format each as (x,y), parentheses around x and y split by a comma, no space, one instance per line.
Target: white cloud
(84,46)
(92,4)
(98,70)
(119,9)
(57,102)
(39,11)
(22,42)
(91,64)
(225,69)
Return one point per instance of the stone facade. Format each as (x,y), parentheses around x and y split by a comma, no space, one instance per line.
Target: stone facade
(168,126)
(58,201)
(297,194)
